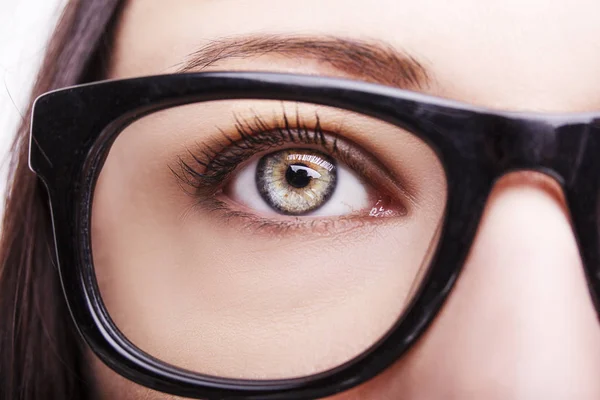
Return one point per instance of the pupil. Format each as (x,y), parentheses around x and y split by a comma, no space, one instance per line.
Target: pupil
(298,175)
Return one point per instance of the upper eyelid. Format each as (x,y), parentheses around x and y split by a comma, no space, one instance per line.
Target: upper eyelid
(210,155)
(296,131)
(253,135)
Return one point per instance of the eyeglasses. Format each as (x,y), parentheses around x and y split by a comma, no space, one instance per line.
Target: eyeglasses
(275,236)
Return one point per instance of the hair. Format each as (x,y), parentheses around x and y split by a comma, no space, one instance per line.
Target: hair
(42,355)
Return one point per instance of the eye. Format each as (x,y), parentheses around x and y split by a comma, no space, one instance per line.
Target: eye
(300,181)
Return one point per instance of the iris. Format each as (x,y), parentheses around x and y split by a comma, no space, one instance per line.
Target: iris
(296,181)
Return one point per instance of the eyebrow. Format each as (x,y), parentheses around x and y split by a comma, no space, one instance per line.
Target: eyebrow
(367,60)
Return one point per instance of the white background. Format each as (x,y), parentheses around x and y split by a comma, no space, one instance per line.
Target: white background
(25,26)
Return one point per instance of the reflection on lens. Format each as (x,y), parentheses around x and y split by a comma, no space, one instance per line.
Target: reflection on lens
(263,239)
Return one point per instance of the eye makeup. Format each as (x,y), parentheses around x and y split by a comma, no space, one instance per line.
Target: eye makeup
(207,170)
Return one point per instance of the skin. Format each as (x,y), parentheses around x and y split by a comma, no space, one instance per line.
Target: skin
(519,323)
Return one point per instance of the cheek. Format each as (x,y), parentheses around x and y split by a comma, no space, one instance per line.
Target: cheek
(214,300)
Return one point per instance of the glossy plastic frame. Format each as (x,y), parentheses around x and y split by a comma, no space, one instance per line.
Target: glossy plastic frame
(73,128)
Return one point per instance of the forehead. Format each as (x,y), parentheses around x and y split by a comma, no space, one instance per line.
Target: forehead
(511,54)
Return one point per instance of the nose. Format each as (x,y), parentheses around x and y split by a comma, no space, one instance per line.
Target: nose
(519,323)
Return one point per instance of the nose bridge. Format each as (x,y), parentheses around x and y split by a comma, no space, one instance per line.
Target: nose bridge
(519,323)
(526,241)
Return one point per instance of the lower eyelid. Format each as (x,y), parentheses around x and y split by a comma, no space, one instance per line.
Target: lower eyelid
(244,220)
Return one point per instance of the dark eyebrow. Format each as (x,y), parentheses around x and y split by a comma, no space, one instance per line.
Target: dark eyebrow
(372,61)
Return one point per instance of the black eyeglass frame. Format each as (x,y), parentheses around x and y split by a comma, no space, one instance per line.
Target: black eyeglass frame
(73,128)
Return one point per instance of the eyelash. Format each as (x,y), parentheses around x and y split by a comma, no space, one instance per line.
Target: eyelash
(255,136)
(211,164)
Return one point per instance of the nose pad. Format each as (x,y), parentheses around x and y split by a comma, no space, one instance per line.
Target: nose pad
(519,323)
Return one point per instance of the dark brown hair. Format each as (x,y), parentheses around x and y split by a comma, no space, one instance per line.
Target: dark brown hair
(41,354)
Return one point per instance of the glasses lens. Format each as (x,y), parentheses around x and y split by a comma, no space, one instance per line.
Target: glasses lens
(263,239)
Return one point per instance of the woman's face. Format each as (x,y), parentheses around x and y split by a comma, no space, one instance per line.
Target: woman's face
(216,289)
